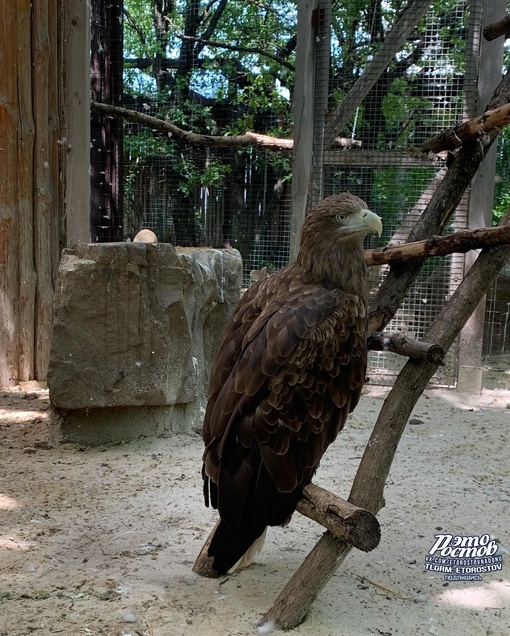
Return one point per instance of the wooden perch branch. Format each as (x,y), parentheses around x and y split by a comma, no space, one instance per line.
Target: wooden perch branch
(203,565)
(294,601)
(406,346)
(491,121)
(497,29)
(358,527)
(461,241)
(249,139)
(442,204)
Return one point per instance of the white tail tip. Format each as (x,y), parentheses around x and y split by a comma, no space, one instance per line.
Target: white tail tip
(250,554)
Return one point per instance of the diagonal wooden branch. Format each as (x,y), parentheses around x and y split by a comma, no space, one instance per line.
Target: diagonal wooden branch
(439,209)
(249,139)
(497,29)
(491,121)
(296,598)
(459,242)
(391,45)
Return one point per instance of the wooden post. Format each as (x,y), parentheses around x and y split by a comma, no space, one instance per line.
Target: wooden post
(303,119)
(45,206)
(481,198)
(25,159)
(9,113)
(77,121)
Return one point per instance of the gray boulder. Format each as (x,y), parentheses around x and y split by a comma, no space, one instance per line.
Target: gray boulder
(137,325)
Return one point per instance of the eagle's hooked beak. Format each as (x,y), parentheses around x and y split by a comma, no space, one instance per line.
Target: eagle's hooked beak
(371,221)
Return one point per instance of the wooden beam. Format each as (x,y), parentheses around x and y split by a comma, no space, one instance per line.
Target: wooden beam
(379,158)
(9,237)
(76,144)
(391,45)
(25,163)
(46,118)
(304,115)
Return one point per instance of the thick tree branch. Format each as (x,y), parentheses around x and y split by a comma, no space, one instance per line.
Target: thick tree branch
(492,121)
(497,29)
(213,23)
(403,345)
(442,204)
(139,31)
(461,241)
(247,140)
(240,49)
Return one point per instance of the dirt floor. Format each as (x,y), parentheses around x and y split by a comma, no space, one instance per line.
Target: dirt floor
(101,541)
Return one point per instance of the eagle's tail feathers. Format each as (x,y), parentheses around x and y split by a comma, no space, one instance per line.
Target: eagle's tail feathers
(250,554)
(228,548)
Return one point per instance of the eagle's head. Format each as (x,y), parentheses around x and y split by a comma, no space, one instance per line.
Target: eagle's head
(331,246)
(341,216)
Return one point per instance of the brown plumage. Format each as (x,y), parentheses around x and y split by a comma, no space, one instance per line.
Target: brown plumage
(290,369)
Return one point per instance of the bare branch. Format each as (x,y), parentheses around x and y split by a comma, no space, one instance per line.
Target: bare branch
(497,29)
(248,140)
(461,241)
(491,121)
(241,49)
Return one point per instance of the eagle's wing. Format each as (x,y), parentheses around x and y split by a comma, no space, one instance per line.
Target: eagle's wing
(291,367)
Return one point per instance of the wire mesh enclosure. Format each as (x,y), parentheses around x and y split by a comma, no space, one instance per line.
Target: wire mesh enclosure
(208,68)
(224,68)
(372,115)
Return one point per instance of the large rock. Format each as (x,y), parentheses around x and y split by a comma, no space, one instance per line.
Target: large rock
(137,325)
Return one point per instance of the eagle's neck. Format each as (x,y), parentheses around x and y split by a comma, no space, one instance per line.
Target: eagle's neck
(340,265)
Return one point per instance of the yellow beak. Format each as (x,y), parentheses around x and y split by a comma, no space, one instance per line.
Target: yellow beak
(365,220)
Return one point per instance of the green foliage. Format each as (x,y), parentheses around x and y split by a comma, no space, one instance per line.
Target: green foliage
(212,174)
(228,67)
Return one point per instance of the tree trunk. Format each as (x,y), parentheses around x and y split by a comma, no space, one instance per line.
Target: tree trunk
(9,124)
(26,137)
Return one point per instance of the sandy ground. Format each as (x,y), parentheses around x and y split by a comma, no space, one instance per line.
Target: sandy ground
(101,541)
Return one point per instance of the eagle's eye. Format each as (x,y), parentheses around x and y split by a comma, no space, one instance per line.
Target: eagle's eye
(341,217)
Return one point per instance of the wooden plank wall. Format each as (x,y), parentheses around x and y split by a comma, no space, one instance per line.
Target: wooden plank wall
(32,221)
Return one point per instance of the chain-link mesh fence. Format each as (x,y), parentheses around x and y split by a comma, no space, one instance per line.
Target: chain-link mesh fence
(429,85)
(224,68)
